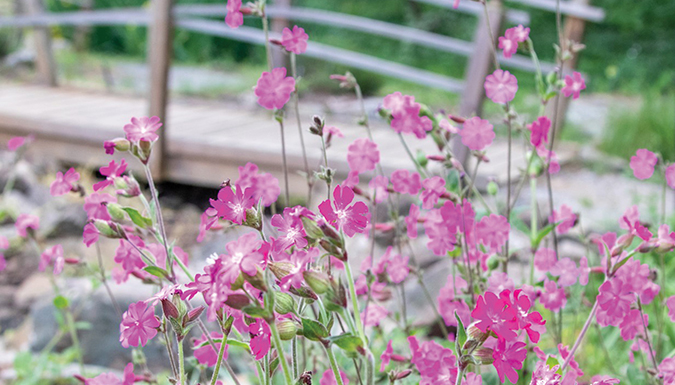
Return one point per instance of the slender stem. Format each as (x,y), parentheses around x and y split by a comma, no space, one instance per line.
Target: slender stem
(534,219)
(181,363)
(581,335)
(172,359)
(160,219)
(294,357)
(333,364)
(325,160)
(460,377)
(280,352)
(216,370)
(204,331)
(296,104)
(644,325)
(104,281)
(411,156)
(355,303)
(268,48)
(73,336)
(284,164)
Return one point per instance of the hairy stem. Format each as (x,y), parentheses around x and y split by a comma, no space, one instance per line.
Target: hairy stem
(282,359)
(296,104)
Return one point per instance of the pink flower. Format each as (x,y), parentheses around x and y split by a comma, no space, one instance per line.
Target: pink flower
(261,339)
(232,205)
(406,117)
(328,378)
(477,133)
(509,357)
(378,185)
(553,298)
(584,270)
(527,321)
(436,364)
(90,234)
(234,17)
(545,375)
(493,232)
(26,221)
(448,304)
(139,325)
(333,131)
(143,128)
(670,176)
(53,254)
(208,220)
(670,302)
(111,171)
(434,187)
(406,182)
(274,88)
(18,141)
(127,255)
(494,313)
(362,155)
(351,219)
(112,379)
(298,263)
(566,271)
(544,259)
(632,325)
(264,185)
(205,354)
(566,217)
(294,41)
(513,36)
(246,254)
(604,380)
(564,353)
(614,300)
(501,86)
(642,163)
(291,232)
(500,282)
(386,356)
(373,314)
(95,205)
(573,85)
(397,268)
(64,182)
(539,131)
(396,101)
(520,33)
(667,371)
(411,221)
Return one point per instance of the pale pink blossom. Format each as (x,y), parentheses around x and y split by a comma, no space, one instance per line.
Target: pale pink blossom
(234,17)
(573,85)
(205,354)
(500,281)
(434,187)
(362,155)
(64,183)
(351,218)
(544,259)
(642,163)
(328,378)
(539,131)
(411,221)
(553,298)
(493,232)
(566,217)
(263,184)
(501,86)
(378,185)
(139,325)
(406,182)
(111,171)
(53,254)
(614,300)
(95,205)
(294,40)
(261,340)
(274,88)
(143,129)
(14,143)
(25,222)
(477,133)
(373,314)
(566,271)
(633,324)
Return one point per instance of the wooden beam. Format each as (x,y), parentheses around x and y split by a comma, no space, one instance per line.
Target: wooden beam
(573,30)
(480,64)
(160,44)
(475,8)
(44,57)
(573,8)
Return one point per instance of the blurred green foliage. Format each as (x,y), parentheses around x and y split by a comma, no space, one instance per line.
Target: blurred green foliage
(652,126)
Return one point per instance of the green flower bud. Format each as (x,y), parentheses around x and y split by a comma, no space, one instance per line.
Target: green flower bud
(492,188)
(283,303)
(287,329)
(116,212)
(319,282)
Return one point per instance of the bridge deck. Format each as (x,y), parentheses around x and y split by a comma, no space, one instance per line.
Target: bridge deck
(207,139)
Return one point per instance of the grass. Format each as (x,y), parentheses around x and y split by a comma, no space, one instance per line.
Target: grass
(652,126)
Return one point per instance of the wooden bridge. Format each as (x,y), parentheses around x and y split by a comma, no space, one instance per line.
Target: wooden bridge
(203,141)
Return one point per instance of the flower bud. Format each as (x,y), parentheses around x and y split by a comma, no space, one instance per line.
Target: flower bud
(317,125)
(127,186)
(287,328)
(474,333)
(403,374)
(109,229)
(484,355)
(311,228)
(337,295)
(116,212)
(319,282)
(193,315)
(283,303)
(421,158)
(257,281)
(237,301)
(457,165)
(493,262)
(492,188)
(457,119)
(170,310)
(145,147)
(280,269)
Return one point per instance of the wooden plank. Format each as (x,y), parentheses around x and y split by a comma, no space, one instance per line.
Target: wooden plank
(332,54)
(161,51)
(571,8)
(44,57)
(476,8)
(479,66)
(121,16)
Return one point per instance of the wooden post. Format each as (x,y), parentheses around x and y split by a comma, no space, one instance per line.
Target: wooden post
(160,52)
(573,30)
(479,65)
(279,57)
(44,57)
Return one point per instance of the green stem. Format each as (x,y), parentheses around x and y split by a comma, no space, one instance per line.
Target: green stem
(73,335)
(333,364)
(296,104)
(221,352)
(533,221)
(355,303)
(412,157)
(160,219)
(280,351)
(181,363)
(460,377)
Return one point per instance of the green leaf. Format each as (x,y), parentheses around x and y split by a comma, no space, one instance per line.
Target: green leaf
(255,311)
(461,335)
(60,302)
(156,271)
(347,342)
(138,219)
(313,330)
(552,362)
(541,235)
